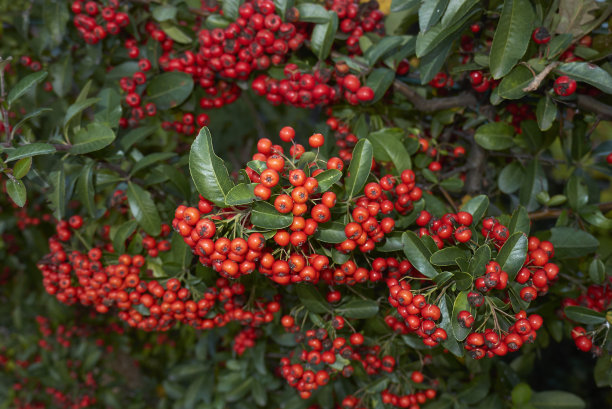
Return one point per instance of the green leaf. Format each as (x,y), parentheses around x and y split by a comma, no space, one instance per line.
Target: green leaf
(282,6)
(313,13)
(434,60)
(359,168)
(589,73)
(136,135)
(511,87)
(380,79)
(510,178)
(461,304)
(511,36)
(386,46)
(447,256)
(359,309)
(331,232)
(521,394)
(322,36)
(176,33)
(97,136)
(151,159)
(75,109)
(55,16)
(109,107)
(240,194)
(534,182)
(571,243)
(312,298)
(264,215)
(418,254)
(208,171)
(57,197)
(558,44)
(230,8)
(24,85)
(430,13)
(85,188)
(170,89)
(585,315)
(31,149)
(577,192)
(495,136)
(393,242)
(122,233)
(387,145)
(511,256)
(519,221)
(478,263)
(401,5)
(477,207)
(327,179)
(143,209)
(62,76)
(597,271)
(22,167)
(17,191)
(166,12)
(546,113)
(556,400)
(33,114)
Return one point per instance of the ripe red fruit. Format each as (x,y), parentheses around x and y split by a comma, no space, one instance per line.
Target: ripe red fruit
(584,343)
(365,94)
(541,35)
(565,86)
(316,140)
(287,134)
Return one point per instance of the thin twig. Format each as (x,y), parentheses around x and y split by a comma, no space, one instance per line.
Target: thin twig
(537,80)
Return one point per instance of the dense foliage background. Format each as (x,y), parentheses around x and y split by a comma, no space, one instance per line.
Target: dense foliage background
(454,157)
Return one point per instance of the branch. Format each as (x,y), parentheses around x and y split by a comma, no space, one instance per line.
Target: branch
(591,104)
(422,104)
(554,213)
(537,80)
(7,130)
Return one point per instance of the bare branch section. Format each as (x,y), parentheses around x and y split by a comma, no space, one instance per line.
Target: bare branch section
(436,104)
(591,104)
(537,80)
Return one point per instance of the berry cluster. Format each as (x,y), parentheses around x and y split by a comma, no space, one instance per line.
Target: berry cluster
(447,230)
(245,339)
(94,21)
(356,19)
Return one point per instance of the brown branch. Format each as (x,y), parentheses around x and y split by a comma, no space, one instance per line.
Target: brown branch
(591,104)
(554,213)
(422,104)
(5,114)
(537,80)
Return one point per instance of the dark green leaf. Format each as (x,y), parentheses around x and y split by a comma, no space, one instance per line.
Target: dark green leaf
(208,171)
(570,242)
(24,85)
(359,168)
(312,298)
(461,304)
(240,194)
(597,271)
(359,309)
(511,256)
(510,178)
(519,221)
(75,109)
(323,35)
(512,36)
(546,113)
(511,87)
(393,242)
(384,47)
(151,159)
(478,263)
(109,107)
(264,215)
(176,32)
(418,254)
(388,146)
(230,8)
(556,400)
(97,136)
(32,114)
(495,136)
(590,73)
(167,12)
(380,79)
(577,192)
(534,182)
(282,6)
(143,209)
(121,235)
(432,62)
(327,179)
(57,198)
(477,207)
(447,256)
(136,135)
(22,167)
(430,13)
(62,76)
(584,315)
(31,149)
(331,232)
(313,13)
(17,191)
(85,188)
(170,89)
(401,5)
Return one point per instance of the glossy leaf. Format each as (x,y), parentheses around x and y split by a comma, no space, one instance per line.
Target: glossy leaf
(327,179)
(359,168)
(331,232)
(143,209)
(556,400)
(510,178)
(313,13)
(208,171)
(16,191)
(477,207)
(511,256)
(312,298)
(495,136)
(57,198)
(571,243)
(447,256)
(546,113)
(93,138)
(478,262)
(418,254)
(584,315)
(359,309)
(430,13)
(29,150)
(121,235)
(109,107)
(519,221)
(22,167)
(24,85)
(511,37)
(597,271)
(380,79)
(242,193)
(388,146)
(461,304)
(323,35)
(264,215)
(590,73)
(511,87)
(170,89)
(85,190)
